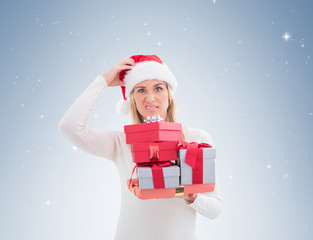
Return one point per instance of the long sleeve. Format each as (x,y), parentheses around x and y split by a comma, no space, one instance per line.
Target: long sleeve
(208,204)
(73,125)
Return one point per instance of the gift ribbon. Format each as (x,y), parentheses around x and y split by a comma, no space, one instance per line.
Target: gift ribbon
(154,150)
(157,172)
(194,158)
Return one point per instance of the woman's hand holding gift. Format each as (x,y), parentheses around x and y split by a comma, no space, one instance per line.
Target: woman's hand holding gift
(190,198)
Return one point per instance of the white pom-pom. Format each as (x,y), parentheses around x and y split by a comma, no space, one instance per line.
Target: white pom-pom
(123,107)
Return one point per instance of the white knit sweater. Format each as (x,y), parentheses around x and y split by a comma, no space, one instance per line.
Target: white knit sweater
(139,219)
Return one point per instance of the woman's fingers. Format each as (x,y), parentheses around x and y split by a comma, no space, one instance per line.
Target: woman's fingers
(126,63)
(112,75)
(189,198)
(129,61)
(126,67)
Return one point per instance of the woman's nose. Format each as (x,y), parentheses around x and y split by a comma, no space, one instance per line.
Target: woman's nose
(150,97)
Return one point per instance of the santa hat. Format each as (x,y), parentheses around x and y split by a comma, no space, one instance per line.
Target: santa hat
(147,67)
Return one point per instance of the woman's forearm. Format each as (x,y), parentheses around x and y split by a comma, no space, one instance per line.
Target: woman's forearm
(73,124)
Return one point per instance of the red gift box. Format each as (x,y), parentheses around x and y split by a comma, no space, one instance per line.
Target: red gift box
(153,132)
(154,151)
(168,192)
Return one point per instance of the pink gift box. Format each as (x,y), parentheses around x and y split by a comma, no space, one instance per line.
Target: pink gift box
(167,192)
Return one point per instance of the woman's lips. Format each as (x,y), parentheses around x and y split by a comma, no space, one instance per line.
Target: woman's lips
(151,108)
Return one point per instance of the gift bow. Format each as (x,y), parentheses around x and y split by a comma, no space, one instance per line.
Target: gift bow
(154,118)
(192,151)
(157,172)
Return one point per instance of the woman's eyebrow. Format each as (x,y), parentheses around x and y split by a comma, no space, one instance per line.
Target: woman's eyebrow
(159,84)
(140,87)
(162,84)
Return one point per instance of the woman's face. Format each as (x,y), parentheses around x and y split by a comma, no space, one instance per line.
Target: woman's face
(151,98)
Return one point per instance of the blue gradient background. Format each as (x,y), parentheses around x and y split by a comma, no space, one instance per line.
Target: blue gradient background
(238,79)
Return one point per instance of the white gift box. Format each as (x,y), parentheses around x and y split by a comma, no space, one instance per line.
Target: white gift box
(209,155)
(171,177)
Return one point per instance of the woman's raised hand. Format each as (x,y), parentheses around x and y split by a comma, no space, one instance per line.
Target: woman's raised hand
(112,75)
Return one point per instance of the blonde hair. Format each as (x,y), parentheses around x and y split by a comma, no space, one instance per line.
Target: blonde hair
(171,110)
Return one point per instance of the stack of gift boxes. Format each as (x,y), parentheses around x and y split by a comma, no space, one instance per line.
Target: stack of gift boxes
(166,166)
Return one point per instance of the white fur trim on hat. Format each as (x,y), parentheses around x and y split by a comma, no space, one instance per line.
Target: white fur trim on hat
(148,70)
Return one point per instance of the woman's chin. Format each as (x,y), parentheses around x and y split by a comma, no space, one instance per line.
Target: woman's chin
(151,113)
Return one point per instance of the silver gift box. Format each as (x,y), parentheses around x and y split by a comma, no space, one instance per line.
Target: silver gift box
(209,155)
(171,177)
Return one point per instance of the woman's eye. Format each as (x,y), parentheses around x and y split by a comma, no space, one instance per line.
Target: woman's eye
(158,89)
(141,90)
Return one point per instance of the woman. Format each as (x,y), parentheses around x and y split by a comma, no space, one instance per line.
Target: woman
(148,87)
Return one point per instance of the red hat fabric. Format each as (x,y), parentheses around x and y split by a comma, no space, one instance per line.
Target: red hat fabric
(147,67)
